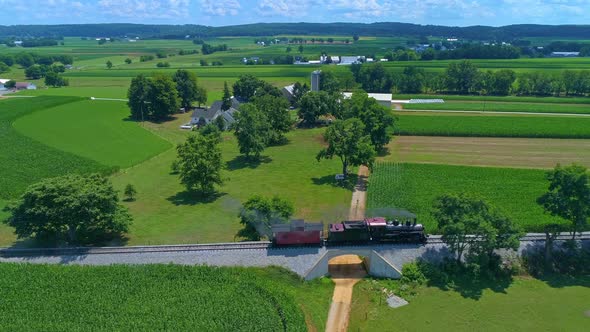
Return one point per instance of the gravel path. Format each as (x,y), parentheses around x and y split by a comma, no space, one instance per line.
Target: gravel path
(359,195)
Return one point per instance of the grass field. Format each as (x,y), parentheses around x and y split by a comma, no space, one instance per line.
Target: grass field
(491,125)
(97,130)
(23,160)
(165,213)
(487,151)
(159,297)
(526,305)
(415,187)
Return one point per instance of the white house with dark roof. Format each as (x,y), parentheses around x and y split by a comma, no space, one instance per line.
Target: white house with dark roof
(202,116)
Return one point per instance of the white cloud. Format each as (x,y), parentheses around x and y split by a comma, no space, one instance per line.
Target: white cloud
(286,8)
(145,8)
(221,7)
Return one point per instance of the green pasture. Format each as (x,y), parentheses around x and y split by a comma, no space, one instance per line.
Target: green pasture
(457,124)
(164,213)
(159,297)
(94,129)
(415,187)
(526,304)
(492,106)
(24,160)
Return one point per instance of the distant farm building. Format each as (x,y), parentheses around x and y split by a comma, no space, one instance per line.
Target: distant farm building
(564,54)
(384,99)
(288,92)
(349,60)
(202,116)
(25,86)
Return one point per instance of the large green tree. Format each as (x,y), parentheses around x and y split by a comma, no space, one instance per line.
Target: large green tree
(461,76)
(347,140)
(71,209)
(226,98)
(276,110)
(375,117)
(245,87)
(162,97)
(137,97)
(568,196)
(259,213)
(315,104)
(252,130)
(469,223)
(200,162)
(186,85)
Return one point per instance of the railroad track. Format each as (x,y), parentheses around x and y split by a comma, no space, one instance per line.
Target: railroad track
(76,251)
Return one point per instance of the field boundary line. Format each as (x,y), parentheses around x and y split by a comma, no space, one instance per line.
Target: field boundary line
(497,113)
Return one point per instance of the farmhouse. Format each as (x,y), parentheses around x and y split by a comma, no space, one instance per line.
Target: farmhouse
(383,99)
(25,86)
(202,116)
(288,92)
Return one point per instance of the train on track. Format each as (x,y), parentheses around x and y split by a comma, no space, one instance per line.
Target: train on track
(401,229)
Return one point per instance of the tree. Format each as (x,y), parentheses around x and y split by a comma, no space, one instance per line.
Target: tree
(461,76)
(346,139)
(374,117)
(200,163)
(312,105)
(71,209)
(24,59)
(226,99)
(186,85)
(203,63)
(568,196)
(128,61)
(374,77)
(245,87)
(411,80)
(502,81)
(470,223)
(4,68)
(428,54)
(53,79)
(251,130)
(300,48)
(201,97)
(162,97)
(276,110)
(137,95)
(299,90)
(329,82)
(130,192)
(289,49)
(10,84)
(109,64)
(259,213)
(355,37)
(34,72)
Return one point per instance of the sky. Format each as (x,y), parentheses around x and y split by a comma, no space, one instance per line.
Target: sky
(231,12)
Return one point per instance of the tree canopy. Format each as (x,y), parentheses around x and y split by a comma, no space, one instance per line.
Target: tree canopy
(186,85)
(276,110)
(200,162)
(251,130)
(346,140)
(568,195)
(71,209)
(258,214)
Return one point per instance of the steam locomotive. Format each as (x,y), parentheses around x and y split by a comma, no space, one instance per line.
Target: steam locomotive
(370,230)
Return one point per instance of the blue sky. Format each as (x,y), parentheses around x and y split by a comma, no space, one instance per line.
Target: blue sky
(230,12)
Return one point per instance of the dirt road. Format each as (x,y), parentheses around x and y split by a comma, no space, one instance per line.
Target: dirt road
(359,195)
(346,271)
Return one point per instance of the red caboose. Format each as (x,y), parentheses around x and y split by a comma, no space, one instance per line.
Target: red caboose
(297,232)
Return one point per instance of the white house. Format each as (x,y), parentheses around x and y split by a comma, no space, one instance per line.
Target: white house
(202,116)
(2,82)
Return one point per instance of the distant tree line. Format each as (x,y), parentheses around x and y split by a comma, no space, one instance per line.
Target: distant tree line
(465,78)
(209,49)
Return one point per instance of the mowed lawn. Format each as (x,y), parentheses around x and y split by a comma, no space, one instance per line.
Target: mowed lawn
(491,125)
(94,129)
(526,305)
(164,213)
(159,298)
(416,186)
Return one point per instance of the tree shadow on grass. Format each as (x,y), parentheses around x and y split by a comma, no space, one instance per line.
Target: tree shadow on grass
(349,183)
(242,161)
(194,198)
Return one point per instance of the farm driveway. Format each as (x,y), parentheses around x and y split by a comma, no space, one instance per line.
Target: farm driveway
(359,195)
(484,151)
(346,271)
